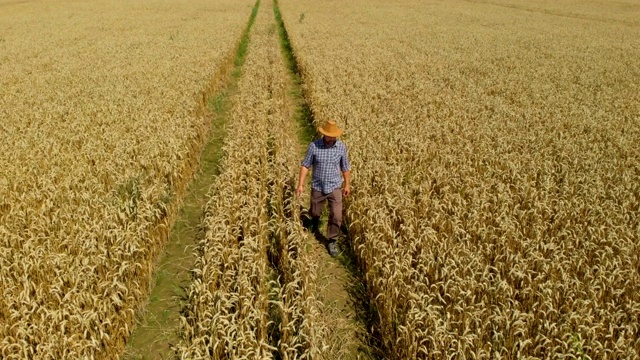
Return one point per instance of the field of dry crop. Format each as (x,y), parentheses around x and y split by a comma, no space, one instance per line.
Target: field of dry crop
(100,127)
(496,156)
(495,148)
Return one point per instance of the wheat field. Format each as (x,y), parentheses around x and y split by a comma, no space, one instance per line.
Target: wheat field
(101,125)
(495,148)
(495,187)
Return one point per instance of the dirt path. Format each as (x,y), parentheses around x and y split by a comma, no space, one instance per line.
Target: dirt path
(159,327)
(341,296)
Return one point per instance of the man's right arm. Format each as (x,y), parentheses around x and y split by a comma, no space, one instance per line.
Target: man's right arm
(304,169)
(303,174)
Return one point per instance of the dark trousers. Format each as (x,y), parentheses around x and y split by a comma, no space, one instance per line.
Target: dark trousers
(335,210)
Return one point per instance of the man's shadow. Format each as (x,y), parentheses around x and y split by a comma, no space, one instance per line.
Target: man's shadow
(313,227)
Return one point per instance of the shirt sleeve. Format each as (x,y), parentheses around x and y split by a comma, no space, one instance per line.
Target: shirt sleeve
(308,159)
(344,160)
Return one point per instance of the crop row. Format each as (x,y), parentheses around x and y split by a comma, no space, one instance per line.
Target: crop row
(254,293)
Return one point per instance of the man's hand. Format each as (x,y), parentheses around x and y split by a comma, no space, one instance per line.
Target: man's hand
(347,180)
(303,174)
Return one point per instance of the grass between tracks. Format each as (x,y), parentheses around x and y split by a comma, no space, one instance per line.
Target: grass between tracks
(304,114)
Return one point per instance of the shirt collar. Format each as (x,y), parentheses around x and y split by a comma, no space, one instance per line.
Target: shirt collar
(320,144)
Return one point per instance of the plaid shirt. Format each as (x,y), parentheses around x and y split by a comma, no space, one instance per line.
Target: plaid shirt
(327,163)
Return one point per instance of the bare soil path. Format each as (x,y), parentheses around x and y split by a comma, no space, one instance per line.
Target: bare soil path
(344,309)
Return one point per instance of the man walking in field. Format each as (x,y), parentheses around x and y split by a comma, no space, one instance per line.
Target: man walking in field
(329,159)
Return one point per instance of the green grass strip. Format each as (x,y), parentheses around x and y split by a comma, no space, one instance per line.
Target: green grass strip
(304,113)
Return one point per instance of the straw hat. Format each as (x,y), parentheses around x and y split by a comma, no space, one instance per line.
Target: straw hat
(330,128)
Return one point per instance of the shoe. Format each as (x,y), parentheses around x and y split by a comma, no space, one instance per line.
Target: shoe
(333,248)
